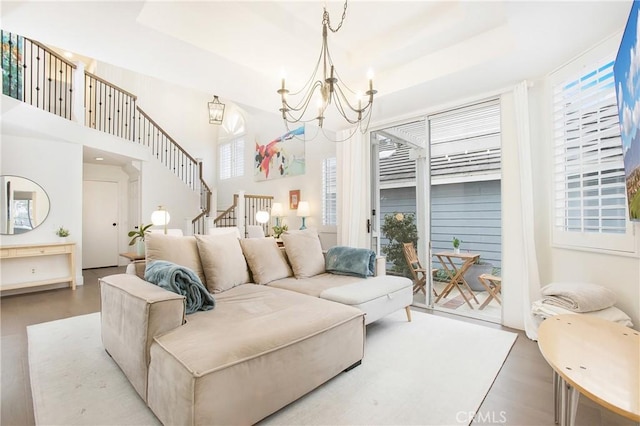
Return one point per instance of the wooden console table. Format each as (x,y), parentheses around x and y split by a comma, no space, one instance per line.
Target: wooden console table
(45,249)
(594,357)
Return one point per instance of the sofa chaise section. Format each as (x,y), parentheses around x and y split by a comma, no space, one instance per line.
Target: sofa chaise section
(264,349)
(260,349)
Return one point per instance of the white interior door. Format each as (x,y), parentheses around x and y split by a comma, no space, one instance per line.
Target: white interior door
(99,224)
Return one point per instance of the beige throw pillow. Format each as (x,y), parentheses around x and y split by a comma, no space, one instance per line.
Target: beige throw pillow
(182,251)
(304,252)
(222,261)
(265,259)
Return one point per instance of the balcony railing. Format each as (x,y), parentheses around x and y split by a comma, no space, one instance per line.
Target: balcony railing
(109,108)
(35,74)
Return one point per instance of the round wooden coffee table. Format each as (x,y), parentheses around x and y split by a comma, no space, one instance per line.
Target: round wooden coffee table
(594,357)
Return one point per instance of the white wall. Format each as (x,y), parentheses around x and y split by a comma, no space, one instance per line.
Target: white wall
(57,167)
(160,187)
(262,128)
(179,111)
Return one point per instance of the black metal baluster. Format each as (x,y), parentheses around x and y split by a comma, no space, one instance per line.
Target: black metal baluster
(38,78)
(48,84)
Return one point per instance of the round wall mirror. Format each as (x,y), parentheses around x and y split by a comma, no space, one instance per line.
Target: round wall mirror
(25,205)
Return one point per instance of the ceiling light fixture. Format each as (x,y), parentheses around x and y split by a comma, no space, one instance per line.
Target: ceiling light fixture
(326,88)
(216,111)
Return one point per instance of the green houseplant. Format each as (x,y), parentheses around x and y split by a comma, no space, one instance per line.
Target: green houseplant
(399,228)
(278,230)
(137,236)
(456,244)
(62,232)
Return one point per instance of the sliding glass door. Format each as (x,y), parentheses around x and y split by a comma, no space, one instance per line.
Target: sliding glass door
(437,181)
(465,203)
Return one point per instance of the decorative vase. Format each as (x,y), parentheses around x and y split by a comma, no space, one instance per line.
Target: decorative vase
(140,247)
(456,250)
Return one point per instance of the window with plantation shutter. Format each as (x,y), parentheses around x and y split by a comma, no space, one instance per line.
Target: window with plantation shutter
(589,203)
(329,191)
(231,159)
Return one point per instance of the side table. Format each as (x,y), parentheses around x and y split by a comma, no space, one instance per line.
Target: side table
(594,357)
(133,256)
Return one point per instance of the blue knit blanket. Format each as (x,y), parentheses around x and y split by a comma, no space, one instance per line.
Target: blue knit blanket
(180,280)
(350,261)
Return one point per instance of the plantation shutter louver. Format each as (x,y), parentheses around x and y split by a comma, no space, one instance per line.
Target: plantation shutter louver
(329,213)
(589,180)
(231,159)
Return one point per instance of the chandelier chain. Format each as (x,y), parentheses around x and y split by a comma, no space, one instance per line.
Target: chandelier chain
(326,21)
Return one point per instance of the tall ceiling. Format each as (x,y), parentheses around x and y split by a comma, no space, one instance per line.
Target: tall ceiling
(423,53)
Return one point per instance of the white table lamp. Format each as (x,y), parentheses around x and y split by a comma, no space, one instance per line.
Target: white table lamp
(303,212)
(277,211)
(262,216)
(161,217)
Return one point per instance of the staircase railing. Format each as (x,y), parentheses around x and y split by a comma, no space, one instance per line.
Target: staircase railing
(245,207)
(228,217)
(109,108)
(35,74)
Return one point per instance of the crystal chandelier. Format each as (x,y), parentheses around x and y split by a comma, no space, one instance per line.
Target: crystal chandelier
(331,90)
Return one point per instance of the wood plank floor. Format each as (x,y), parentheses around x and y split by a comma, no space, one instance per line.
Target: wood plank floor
(520,395)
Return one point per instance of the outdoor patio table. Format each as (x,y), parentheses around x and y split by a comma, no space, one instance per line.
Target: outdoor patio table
(456,273)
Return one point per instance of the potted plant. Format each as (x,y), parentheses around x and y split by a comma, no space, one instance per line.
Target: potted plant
(62,233)
(137,237)
(398,228)
(278,230)
(456,245)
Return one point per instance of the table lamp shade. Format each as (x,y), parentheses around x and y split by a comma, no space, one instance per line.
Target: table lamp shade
(303,209)
(277,210)
(262,216)
(161,217)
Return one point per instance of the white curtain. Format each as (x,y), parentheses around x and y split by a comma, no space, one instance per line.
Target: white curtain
(530,275)
(352,160)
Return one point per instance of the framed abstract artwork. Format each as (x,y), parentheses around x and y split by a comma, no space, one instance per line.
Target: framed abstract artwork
(294,199)
(281,157)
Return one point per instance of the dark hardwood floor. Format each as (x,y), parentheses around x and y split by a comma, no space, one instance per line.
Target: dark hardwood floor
(520,395)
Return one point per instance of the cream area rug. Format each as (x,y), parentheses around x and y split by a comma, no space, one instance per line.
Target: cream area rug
(432,371)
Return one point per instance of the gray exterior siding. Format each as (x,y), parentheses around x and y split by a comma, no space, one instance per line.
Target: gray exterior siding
(471,211)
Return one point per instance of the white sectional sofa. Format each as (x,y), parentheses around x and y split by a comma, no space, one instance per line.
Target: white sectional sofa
(261,347)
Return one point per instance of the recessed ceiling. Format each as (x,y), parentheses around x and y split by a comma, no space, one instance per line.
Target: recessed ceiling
(422,52)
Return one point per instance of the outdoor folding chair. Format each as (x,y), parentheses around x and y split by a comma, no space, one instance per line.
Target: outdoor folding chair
(417,271)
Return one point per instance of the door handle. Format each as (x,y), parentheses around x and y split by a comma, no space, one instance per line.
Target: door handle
(368,226)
